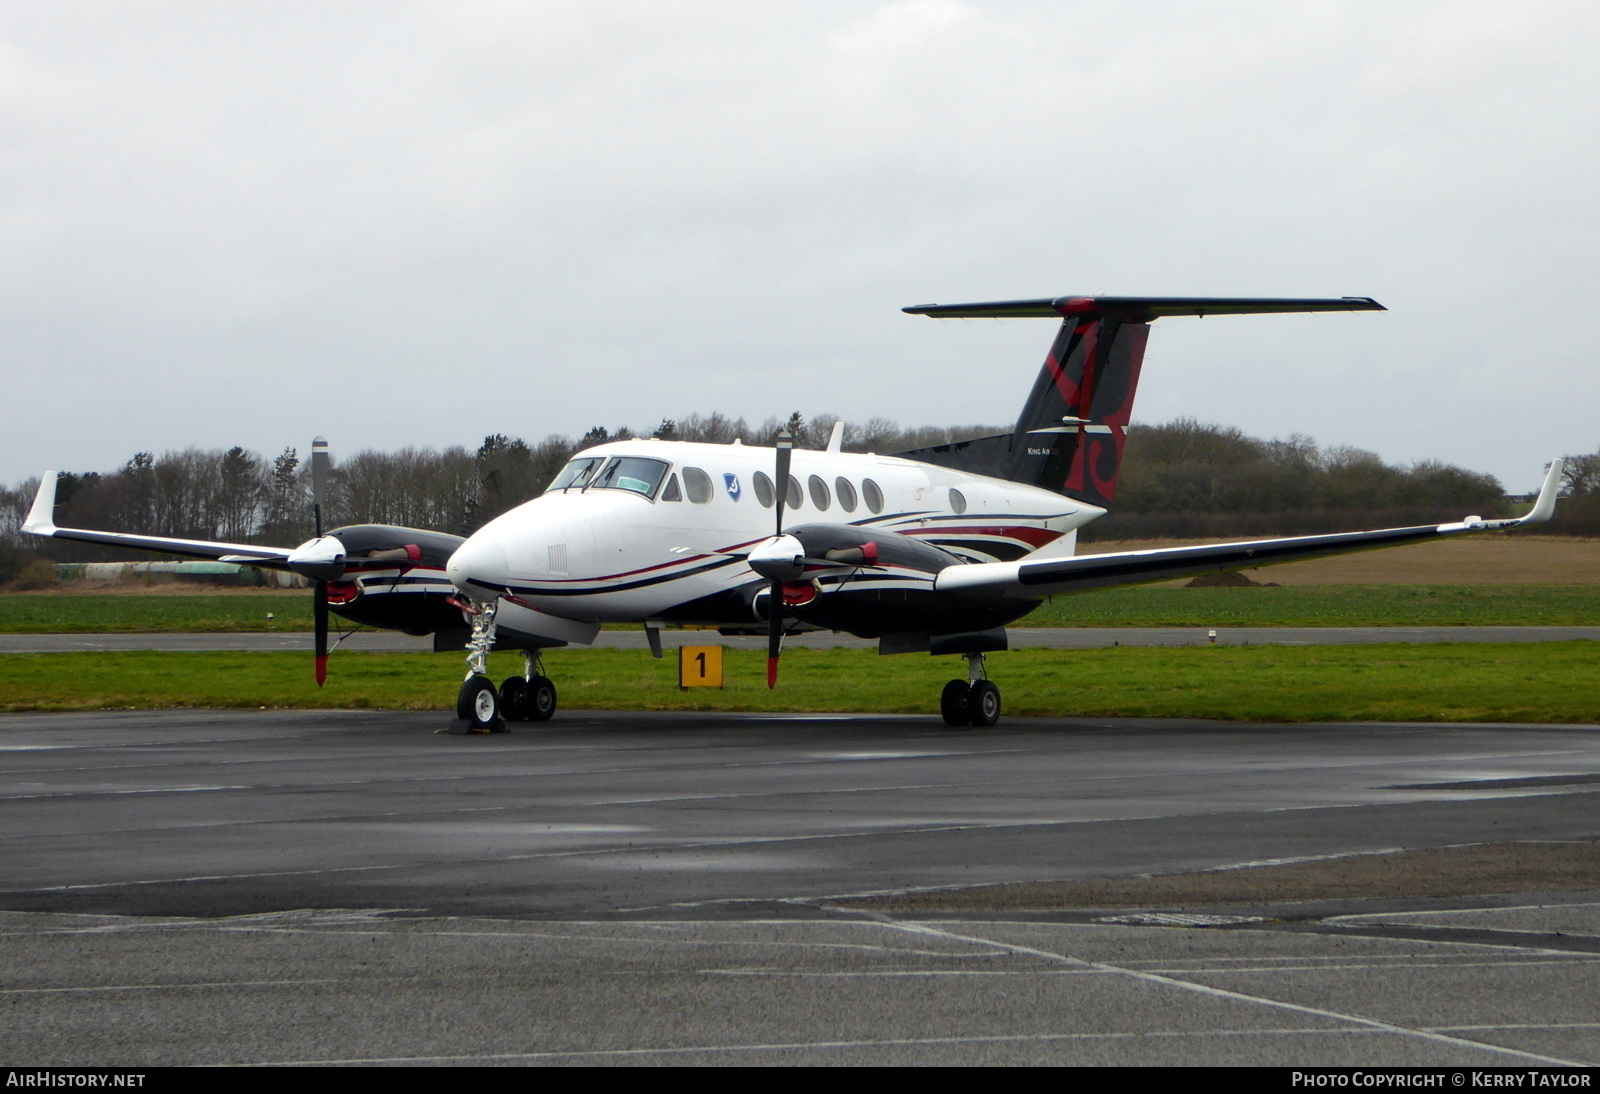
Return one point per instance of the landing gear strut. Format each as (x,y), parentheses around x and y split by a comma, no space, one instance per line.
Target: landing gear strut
(484,708)
(478,704)
(530,697)
(974,701)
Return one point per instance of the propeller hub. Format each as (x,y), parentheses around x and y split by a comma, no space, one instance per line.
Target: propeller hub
(321,559)
(781,558)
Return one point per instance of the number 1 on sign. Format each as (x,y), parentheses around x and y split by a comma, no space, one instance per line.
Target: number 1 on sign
(700,666)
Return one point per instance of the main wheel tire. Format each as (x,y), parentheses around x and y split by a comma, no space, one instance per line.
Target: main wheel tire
(541,699)
(953,704)
(478,704)
(514,699)
(983,704)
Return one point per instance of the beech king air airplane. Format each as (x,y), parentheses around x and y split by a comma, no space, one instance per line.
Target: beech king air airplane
(933,550)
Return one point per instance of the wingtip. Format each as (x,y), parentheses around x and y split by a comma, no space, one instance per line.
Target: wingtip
(42,516)
(1545,507)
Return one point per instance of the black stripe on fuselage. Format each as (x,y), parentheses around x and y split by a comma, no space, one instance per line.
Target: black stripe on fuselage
(625,586)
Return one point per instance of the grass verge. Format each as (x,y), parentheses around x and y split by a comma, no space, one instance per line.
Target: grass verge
(1457,682)
(1284,606)
(1327,606)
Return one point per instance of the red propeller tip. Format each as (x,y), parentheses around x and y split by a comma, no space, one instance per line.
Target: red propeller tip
(322,670)
(772,672)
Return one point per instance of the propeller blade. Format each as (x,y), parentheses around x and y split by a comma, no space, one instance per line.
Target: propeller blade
(774,633)
(319,614)
(785,452)
(320,462)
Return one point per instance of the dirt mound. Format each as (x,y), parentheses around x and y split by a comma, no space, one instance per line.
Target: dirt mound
(1231,580)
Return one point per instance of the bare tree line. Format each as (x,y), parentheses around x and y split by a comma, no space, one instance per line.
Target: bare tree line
(240,496)
(1179,479)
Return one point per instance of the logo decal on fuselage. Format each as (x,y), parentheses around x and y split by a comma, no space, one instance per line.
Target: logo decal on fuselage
(732,482)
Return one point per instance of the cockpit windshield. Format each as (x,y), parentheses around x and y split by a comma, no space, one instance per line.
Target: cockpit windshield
(576,473)
(635,473)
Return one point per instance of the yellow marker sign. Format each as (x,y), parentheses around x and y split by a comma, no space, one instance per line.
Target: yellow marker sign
(700,666)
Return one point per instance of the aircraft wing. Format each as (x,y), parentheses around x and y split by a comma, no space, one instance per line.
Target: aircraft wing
(41,522)
(1024,579)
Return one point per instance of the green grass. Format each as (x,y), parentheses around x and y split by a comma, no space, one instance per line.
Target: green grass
(170,614)
(1326,606)
(1536,682)
(1285,606)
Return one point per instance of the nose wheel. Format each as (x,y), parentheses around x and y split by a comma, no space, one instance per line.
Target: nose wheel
(973,701)
(480,706)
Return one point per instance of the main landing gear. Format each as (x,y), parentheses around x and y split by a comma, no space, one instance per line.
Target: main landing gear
(484,708)
(973,701)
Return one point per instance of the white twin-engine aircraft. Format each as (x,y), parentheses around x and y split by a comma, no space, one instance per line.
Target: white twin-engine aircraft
(933,550)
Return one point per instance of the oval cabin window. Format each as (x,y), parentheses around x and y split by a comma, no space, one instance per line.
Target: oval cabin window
(697,484)
(819,492)
(958,500)
(847,494)
(873,496)
(763,487)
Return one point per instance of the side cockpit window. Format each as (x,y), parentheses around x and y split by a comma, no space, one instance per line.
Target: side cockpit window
(576,473)
(633,473)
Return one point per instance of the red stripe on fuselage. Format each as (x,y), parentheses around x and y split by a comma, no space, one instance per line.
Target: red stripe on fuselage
(1038,537)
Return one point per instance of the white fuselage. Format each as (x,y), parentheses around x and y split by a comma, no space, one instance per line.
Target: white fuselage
(634,552)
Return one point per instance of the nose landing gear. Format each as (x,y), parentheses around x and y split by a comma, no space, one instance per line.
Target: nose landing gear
(480,706)
(974,701)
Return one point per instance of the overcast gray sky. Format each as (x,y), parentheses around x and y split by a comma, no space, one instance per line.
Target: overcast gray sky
(393,224)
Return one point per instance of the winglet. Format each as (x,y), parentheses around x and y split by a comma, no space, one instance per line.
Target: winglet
(42,517)
(1545,507)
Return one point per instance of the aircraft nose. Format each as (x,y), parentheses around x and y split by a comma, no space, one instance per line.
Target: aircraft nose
(479,567)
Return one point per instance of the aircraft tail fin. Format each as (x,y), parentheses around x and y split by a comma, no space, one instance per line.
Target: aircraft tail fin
(1070,434)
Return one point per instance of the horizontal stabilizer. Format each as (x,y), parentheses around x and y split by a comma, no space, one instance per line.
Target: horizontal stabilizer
(1140,309)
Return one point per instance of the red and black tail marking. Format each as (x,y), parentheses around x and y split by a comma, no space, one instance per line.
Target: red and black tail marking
(1070,434)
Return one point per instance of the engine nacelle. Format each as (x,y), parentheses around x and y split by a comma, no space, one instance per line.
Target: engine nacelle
(871,583)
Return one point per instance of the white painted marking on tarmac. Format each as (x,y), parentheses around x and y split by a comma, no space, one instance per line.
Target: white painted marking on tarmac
(1179,919)
(1378,918)
(1546,957)
(896,755)
(775,793)
(803,1046)
(1295,860)
(167,987)
(1518,1025)
(1222,993)
(90,792)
